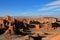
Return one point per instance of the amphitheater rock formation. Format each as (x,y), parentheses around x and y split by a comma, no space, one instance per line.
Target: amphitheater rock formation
(12,25)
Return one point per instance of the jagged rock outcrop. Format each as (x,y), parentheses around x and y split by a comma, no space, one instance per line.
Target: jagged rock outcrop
(10,25)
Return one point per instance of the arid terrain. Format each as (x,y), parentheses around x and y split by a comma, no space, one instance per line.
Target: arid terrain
(29,28)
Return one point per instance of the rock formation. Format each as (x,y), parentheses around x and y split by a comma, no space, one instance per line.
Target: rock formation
(12,25)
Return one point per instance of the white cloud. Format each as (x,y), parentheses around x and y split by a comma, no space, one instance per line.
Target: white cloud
(51,6)
(54,3)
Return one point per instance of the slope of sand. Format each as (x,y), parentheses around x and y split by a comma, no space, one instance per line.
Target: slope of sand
(57,37)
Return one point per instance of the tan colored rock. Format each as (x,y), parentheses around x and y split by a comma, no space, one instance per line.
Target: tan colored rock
(43,20)
(41,33)
(47,19)
(47,26)
(6,17)
(52,20)
(35,35)
(2,23)
(21,30)
(37,26)
(10,30)
(12,20)
(26,20)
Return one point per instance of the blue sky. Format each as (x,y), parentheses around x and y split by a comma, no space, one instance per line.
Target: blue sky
(29,7)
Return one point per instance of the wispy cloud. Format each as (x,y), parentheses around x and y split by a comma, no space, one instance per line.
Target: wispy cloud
(46,10)
(57,2)
(51,6)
